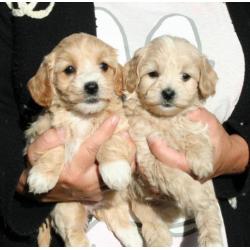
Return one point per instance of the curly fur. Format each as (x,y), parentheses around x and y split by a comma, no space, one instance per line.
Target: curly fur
(150,113)
(69,106)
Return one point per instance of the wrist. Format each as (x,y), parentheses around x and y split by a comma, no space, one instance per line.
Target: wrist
(238,155)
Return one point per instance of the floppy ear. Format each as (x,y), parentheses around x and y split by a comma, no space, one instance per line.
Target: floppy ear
(40,85)
(131,76)
(208,79)
(119,80)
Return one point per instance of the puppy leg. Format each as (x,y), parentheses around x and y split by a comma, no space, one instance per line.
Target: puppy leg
(114,158)
(155,230)
(44,175)
(119,221)
(69,221)
(200,156)
(209,222)
(195,199)
(44,234)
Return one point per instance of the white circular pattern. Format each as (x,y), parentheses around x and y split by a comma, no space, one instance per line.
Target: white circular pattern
(206,23)
(27,9)
(128,27)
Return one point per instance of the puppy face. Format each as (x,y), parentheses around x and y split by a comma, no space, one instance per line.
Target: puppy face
(169,75)
(80,74)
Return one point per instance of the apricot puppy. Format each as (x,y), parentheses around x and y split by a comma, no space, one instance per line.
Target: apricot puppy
(163,81)
(78,84)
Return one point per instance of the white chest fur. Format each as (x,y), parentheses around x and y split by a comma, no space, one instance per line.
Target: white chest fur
(77,129)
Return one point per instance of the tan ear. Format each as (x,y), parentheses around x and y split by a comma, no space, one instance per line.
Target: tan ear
(208,79)
(131,76)
(119,80)
(40,85)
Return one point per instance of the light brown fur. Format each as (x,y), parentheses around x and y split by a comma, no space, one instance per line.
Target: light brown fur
(149,113)
(67,106)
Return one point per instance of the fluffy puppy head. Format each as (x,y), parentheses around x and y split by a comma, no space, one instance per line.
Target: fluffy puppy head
(169,75)
(81,74)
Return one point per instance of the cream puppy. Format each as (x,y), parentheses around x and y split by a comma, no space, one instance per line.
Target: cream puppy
(164,80)
(79,85)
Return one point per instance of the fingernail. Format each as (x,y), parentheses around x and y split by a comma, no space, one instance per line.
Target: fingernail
(115,119)
(61,133)
(152,138)
(125,135)
(192,113)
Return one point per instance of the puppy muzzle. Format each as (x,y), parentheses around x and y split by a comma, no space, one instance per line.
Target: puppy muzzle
(91,88)
(167,96)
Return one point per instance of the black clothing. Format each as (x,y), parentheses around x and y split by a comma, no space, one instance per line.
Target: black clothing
(23,43)
(239,122)
(237,221)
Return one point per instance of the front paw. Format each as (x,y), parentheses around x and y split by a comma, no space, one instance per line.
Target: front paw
(201,169)
(201,162)
(116,174)
(40,182)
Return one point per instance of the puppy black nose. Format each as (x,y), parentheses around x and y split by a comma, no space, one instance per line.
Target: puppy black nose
(168,94)
(91,88)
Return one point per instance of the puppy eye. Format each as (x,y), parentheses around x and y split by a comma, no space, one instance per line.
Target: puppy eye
(69,70)
(153,74)
(185,77)
(104,66)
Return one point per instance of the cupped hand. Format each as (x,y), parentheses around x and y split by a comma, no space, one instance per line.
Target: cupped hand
(80,179)
(231,152)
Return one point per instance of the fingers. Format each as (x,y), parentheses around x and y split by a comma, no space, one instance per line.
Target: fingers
(81,183)
(197,115)
(80,180)
(214,127)
(102,134)
(50,139)
(93,184)
(92,144)
(128,138)
(202,115)
(167,155)
(20,188)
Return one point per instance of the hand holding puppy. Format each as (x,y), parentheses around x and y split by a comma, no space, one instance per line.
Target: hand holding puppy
(228,148)
(79,180)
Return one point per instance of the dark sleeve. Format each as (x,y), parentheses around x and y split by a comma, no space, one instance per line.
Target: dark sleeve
(239,123)
(18,213)
(24,41)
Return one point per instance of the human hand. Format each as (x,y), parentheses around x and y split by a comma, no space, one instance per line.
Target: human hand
(80,179)
(231,152)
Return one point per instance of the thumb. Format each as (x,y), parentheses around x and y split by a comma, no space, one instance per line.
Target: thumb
(100,136)
(167,155)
